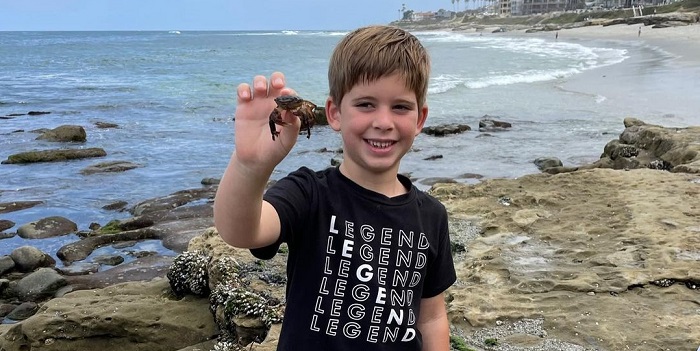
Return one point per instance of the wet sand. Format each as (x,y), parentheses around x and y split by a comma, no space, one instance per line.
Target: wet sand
(658,82)
(682,42)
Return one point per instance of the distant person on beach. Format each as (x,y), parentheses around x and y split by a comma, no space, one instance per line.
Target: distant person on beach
(639,33)
(369,254)
(556,36)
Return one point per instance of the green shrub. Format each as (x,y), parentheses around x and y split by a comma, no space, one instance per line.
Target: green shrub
(458,344)
(491,342)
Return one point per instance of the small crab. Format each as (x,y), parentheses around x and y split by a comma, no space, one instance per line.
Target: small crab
(299,107)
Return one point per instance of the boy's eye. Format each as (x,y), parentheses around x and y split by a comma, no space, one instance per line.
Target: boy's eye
(397,107)
(403,107)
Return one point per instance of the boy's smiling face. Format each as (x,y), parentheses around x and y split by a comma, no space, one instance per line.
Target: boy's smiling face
(378,122)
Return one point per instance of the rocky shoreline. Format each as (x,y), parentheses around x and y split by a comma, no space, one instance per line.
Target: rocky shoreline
(593,257)
(687,13)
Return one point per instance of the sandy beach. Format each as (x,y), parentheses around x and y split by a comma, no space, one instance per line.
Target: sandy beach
(683,42)
(654,83)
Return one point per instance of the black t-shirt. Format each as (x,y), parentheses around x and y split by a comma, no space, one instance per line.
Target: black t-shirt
(359,262)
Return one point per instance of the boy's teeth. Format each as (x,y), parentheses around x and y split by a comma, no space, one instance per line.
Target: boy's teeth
(380,144)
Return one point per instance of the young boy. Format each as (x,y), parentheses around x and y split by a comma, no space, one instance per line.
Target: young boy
(369,254)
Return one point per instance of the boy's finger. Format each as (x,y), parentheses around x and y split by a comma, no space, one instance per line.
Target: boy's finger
(243,92)
(288,91)
(260,86)
(276,84)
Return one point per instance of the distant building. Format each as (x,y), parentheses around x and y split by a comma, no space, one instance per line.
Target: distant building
(530,7)
(533,7)
(504,8)
(516,7)
(423,16)
(444,14)
(608,4)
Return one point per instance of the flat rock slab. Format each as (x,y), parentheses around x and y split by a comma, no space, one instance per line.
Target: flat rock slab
(6,207)
(606,259)
(134,316)
(54,155)
(142,269)
(109,167)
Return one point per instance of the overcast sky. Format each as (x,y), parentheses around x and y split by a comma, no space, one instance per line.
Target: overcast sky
(203,14)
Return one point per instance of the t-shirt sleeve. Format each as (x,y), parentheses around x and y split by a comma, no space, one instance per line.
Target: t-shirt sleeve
(441,270)
(267,252)
(290,198)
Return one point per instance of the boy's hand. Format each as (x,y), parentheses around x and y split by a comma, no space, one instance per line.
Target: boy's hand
(255,149)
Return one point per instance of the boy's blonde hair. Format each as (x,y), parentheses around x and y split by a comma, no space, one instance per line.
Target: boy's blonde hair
(370,53)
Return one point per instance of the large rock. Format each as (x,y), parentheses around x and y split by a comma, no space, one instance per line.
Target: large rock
(274,270)
(65,133)
(6,224)
(605,259)
(543,163)
(446,129)
(488,124)
(643,145)
(6,264)
(54,155)
(23,311)
(129,316)
(47,228)
(678,147)
(40,284)
(237,281)
(29,258)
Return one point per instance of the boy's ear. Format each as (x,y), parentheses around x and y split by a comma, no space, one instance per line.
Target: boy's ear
(422,117)
(333,114)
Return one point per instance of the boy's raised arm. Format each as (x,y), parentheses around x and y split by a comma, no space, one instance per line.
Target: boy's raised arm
(241,216)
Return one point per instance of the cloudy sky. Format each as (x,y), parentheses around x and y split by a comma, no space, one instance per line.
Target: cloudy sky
(202,14)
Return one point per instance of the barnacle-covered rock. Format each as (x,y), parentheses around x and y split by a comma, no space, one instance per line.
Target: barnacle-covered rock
(226,346)
(660,165)
(231,303)
(217,301)
(223,270)
(233,293)
(229,345)
(188,274)
(242,314)
(252,304)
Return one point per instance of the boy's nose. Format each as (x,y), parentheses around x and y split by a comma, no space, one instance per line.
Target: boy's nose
(383,119)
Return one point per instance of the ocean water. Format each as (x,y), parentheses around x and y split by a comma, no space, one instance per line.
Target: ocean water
(173,97)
